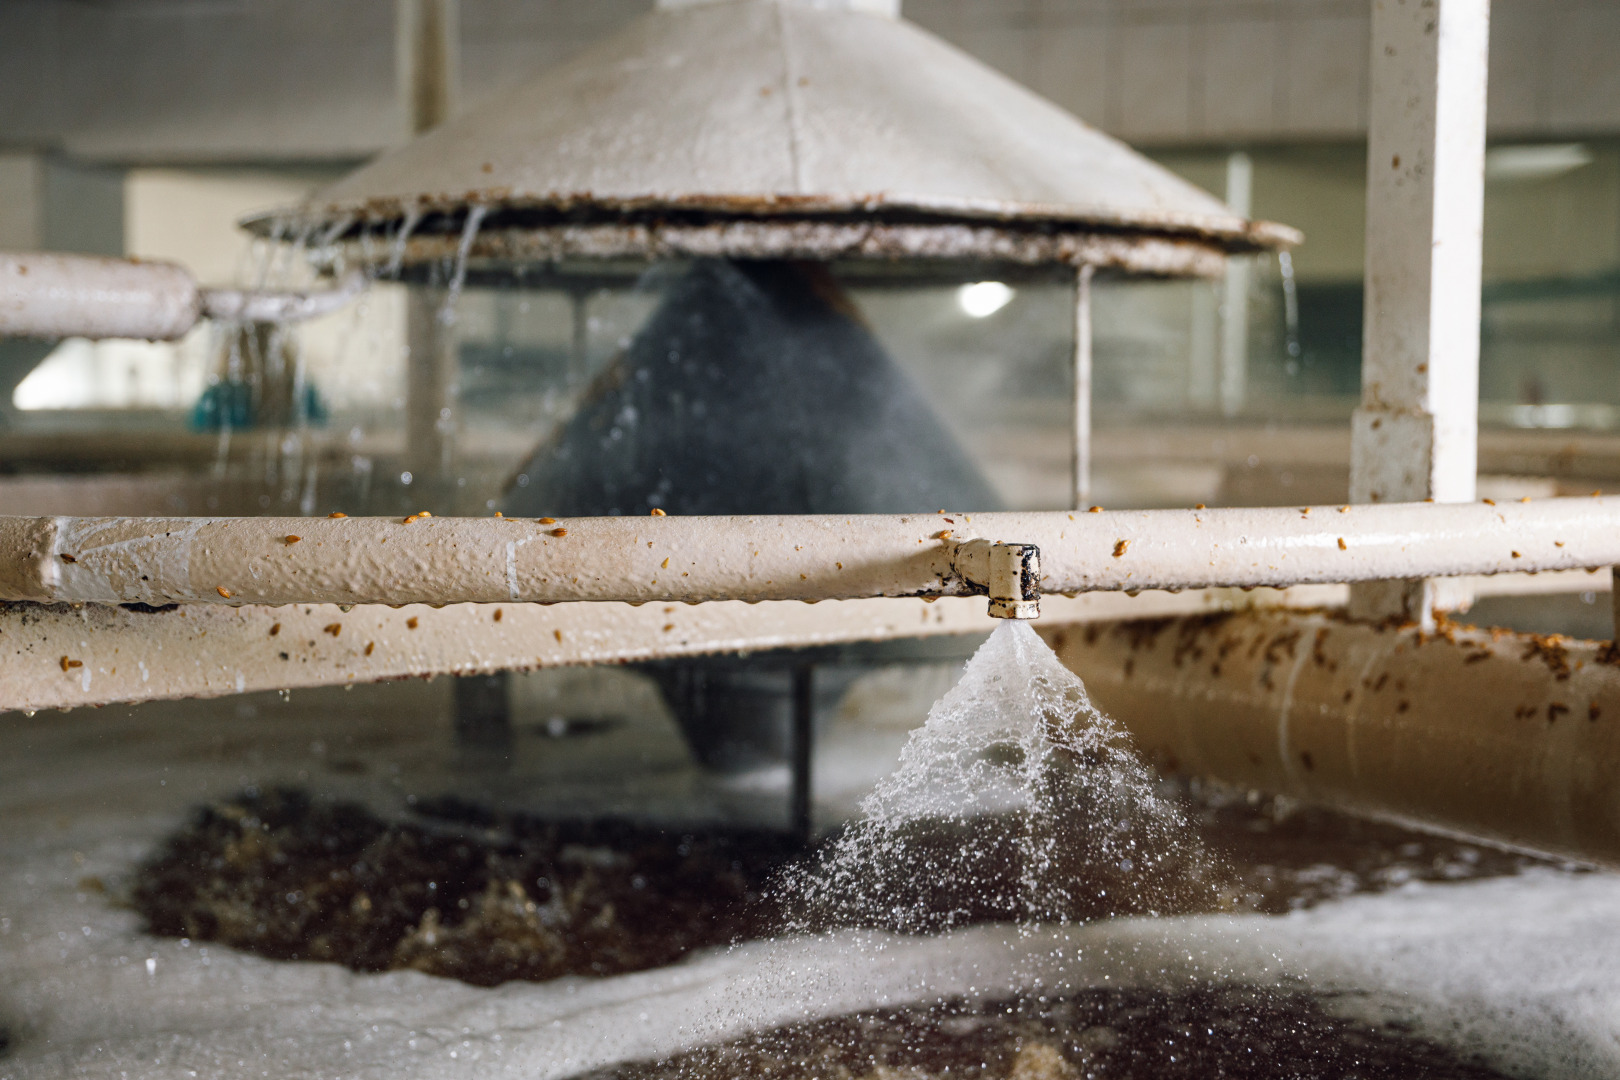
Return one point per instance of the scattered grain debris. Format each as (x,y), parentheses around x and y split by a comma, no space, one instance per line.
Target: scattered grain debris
(559,532)
(291,539)
(223,591)
(1344,509)
(410,623)
(657,512)
(943,534)
(1516,555)
(1342,545)
(497,614)
(1095,510)
(665,564)
(337,514)
(548,521)
(68,558)
(69,665)
(275,628)
(332,628)
(557,634)
(1199,506)
(1121,547)
(370,647)
(1488,502)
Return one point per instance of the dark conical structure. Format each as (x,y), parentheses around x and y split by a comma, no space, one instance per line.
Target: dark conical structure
(754,388)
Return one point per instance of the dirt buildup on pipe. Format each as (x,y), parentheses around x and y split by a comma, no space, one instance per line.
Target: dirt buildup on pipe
(1099,1034)
(477,897)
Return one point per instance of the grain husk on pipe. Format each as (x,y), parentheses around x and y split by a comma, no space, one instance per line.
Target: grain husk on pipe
(1506,737)
(811,557)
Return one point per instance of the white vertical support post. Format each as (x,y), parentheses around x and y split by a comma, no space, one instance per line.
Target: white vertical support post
(427,62)
(427,51)
(1614,601)
(1235,300)
(1081,471)
(1414,437)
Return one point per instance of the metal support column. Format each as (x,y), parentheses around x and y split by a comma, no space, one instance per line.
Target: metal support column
(800,806)
(1234,373)
(1414,436)
(1082,387)
(427,62)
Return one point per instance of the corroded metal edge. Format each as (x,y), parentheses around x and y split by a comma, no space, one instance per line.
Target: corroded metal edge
(1507,737)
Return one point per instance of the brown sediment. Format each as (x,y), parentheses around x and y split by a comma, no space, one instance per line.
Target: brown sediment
(1237,1032)
(473,895)
(481,899)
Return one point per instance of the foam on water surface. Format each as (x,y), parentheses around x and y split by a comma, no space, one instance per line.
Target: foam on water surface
(1525,970)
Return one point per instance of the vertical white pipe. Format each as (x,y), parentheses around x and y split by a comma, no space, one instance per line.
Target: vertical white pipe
(427,64)
(1203,347)
(1082,387)
(1235,303)
(1415,434)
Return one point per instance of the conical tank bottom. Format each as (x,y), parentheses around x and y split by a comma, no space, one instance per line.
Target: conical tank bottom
(754,388)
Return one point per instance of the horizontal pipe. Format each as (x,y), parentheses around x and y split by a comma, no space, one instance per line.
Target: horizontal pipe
(61,656)
(47,295)
(815,557)
(1506,737)
(57,296)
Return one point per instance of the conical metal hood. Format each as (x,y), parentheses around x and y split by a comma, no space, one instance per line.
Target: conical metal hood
(781,128)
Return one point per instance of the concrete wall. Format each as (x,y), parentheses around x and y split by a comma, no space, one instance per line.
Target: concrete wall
(313,79)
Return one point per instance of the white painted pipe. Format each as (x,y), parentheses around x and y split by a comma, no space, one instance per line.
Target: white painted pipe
(668,559)
(46,295)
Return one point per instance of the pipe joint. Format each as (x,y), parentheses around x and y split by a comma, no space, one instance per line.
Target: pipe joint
(1009,574)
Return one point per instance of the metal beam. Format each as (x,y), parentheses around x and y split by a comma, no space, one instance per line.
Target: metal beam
(208,650)
(1414,436)
(61,656)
